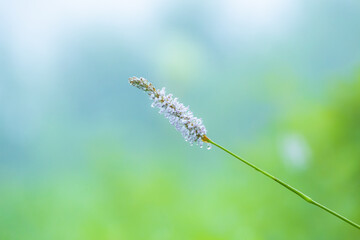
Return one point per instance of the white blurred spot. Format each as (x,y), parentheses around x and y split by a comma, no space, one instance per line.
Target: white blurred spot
(295,151)
(34,30)
(243,19)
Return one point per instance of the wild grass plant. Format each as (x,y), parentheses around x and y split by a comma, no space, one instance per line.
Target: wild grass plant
(194,132)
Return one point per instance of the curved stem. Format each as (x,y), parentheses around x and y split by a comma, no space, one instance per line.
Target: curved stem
(294,190)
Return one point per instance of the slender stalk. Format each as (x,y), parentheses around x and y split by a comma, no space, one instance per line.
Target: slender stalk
(294,190)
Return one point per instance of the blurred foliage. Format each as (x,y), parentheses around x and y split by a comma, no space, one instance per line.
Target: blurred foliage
(83,156)
(120,194)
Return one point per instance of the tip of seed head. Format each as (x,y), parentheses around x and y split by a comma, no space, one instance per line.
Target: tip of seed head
(133,79)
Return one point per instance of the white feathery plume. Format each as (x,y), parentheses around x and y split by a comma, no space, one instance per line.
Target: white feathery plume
(191,128)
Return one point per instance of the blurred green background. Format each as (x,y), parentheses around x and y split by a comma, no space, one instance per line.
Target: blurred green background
(83,156)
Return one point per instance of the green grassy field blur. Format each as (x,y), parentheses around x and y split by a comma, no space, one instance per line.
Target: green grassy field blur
(165,192)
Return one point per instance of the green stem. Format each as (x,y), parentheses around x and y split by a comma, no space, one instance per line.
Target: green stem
(294,190)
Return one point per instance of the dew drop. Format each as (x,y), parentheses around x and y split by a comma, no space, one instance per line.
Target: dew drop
(153,105)
(208,147)
(201,146)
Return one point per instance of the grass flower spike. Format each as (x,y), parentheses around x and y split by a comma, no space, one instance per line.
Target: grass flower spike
(191,128)
(194,131)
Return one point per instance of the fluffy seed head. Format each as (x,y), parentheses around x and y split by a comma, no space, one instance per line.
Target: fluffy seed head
(192,128)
